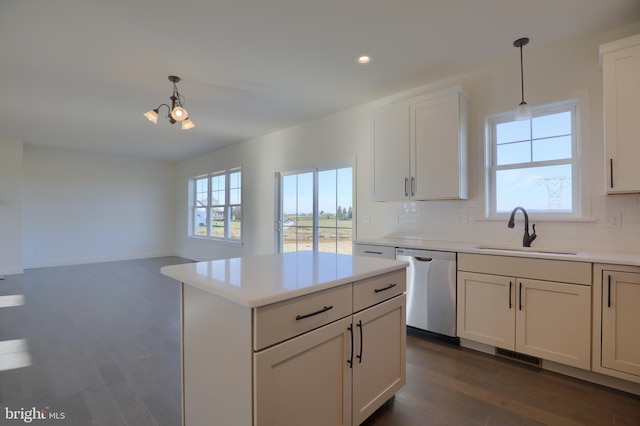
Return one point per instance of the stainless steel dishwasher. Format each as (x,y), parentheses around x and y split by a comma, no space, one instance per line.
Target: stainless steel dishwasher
(431,290)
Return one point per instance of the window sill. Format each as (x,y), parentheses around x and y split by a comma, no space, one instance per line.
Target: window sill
(216,240)
(539,218)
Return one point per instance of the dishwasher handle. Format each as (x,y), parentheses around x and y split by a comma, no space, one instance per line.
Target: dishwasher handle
(423,259)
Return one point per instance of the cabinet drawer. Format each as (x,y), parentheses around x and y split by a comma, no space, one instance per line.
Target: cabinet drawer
(370,250)
(377,289)
(283,320)
(566,271)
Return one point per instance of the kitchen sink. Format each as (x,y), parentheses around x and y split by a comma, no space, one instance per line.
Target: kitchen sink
(526,249)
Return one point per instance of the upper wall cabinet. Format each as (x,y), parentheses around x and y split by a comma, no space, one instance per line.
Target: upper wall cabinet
(420,148)
(621,91)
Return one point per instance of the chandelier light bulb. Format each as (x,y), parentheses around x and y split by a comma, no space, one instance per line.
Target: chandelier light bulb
(179,114)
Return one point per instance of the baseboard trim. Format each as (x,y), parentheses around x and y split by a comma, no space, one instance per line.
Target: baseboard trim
(576,373)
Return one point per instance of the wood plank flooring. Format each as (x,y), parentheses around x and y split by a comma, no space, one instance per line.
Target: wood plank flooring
(103,341)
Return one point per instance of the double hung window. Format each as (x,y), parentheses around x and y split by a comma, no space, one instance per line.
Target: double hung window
(533,163)
(217,205)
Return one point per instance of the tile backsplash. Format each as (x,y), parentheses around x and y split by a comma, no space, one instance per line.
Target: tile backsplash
(612,225)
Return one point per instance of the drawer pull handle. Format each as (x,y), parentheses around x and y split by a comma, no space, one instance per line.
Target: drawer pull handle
(520,298)
(361,342)
(350,360)
(390,286)
(611,172)
(373,252)
(609,293)
(325,309)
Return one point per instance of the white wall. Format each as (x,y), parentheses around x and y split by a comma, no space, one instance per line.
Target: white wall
(10,207)
(552,74)
(80,207)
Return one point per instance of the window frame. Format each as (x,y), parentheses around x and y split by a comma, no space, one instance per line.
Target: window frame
(279,229)
(227,206)
(570,105)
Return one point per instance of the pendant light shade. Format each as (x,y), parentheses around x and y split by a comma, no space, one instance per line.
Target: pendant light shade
(176,112)
(187,124)
(152,115)
(523,112)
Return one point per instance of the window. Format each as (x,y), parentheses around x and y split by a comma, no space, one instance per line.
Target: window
(534,163)
(217,207)
(315,210)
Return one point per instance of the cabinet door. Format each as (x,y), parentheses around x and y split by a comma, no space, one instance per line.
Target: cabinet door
(486,309)
(391,154)
(305,380)
(621,91)
(379,358)
(621,322)
(553,321)
(438,139)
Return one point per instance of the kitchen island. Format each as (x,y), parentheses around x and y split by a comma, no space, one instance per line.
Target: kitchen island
(288,339)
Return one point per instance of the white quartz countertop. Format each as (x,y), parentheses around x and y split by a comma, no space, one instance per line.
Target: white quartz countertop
(577,255)
(262,280)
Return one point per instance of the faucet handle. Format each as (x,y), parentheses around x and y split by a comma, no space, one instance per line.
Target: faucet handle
(533,236)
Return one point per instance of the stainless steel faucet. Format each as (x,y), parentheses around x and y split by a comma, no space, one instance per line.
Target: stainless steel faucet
(527,239)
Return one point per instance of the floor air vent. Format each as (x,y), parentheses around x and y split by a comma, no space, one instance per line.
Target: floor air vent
(516,356)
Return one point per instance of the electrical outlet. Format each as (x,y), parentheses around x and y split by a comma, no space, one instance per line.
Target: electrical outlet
(614,220)
(394,218)
(366,219)
(462,219)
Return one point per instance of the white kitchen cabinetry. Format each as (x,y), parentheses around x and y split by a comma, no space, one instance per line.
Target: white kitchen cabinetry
(331,357)
(616,321)
(536,307)
(338,374)
(372,250)
(392,159)
(420,148)
(621,91)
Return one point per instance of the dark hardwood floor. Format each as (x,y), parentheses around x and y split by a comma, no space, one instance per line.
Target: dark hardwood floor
(103,341)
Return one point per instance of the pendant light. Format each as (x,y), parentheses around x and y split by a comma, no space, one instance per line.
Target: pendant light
(176,110)
(523,112)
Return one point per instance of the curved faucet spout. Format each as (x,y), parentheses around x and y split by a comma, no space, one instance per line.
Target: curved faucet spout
(526,239)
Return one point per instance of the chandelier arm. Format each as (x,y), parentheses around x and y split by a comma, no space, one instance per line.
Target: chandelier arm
(168,109)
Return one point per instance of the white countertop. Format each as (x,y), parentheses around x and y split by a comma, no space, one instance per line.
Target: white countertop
(611,257)
(262,280)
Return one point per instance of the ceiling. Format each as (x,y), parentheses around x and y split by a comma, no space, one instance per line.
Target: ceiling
(80,73)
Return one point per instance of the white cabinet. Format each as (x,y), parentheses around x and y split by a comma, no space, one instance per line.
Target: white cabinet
(306,380)
(420,148)
(621,91)
(372,250)
(327,358)
(392,159)
(514,303)
(617,321)
(485,309)
(379,358)
(340,373)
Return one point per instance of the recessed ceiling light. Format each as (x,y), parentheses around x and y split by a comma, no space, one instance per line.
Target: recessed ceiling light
(364,59)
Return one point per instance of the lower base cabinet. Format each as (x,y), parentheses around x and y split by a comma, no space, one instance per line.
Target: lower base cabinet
(540,317)
(617,322)
(338,374)
(329,358)
(307,380)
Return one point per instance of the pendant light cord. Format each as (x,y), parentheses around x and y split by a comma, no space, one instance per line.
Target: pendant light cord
(521,75)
